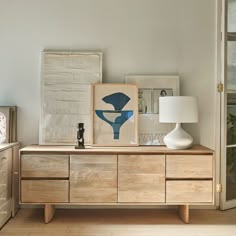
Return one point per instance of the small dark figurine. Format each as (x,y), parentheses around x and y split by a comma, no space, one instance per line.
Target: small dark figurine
(80,136)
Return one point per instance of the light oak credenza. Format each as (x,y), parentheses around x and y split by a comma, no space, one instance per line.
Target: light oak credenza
(154,175)
(9,192)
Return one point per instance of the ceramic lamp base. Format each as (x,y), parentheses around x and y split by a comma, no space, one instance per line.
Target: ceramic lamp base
(178,138)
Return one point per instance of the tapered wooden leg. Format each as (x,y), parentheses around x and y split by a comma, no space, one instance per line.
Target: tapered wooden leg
(183,211)
(49,211)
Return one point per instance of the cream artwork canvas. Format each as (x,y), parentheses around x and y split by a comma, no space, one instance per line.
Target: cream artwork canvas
(66,94)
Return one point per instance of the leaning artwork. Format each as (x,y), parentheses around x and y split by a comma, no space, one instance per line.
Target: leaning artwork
(115,115)
(150,88)
(66,93)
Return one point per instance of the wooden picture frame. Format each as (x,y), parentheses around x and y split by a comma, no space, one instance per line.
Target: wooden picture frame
(115,115)
(66,82)
(151,131)
(5,113)
(10,114)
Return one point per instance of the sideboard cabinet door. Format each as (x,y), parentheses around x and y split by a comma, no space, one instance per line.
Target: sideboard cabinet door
(93,178)
(141,178)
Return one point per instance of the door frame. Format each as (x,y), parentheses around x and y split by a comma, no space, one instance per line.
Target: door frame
(219,71)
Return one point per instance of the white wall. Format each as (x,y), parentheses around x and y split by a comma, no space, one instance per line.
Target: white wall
(136,37)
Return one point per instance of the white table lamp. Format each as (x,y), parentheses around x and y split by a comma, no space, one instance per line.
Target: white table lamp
(178,109)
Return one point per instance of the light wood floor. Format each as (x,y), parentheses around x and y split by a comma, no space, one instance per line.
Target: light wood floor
(121,222)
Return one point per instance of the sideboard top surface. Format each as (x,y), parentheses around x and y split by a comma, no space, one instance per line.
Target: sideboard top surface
(4,146)
(196,149)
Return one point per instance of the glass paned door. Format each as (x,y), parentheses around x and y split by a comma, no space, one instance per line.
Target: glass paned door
(228,171)
(231,122)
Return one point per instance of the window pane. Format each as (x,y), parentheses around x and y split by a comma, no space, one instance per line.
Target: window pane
(231,65)
(231,118)
(231,15)
(231,174)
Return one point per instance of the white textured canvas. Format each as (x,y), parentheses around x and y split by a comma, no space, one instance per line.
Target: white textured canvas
(66,95)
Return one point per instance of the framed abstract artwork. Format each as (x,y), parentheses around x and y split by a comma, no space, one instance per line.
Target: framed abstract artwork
(4,124)
(150,88)
(8,124)
(115,115)
(66,95)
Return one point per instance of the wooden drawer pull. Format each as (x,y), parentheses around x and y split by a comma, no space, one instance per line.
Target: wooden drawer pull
(4,158)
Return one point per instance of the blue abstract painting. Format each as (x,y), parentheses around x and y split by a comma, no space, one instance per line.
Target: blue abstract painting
(118,101)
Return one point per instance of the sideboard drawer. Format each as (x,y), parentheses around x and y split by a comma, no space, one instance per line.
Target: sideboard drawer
(189,191)
(4,158)
(39,165)
(3,178)
(44,191)
(189,166)
(5,195)
(5,187)
(5,212)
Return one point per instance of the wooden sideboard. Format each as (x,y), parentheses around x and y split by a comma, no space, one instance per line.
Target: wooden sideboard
(9,192)
(144,175)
